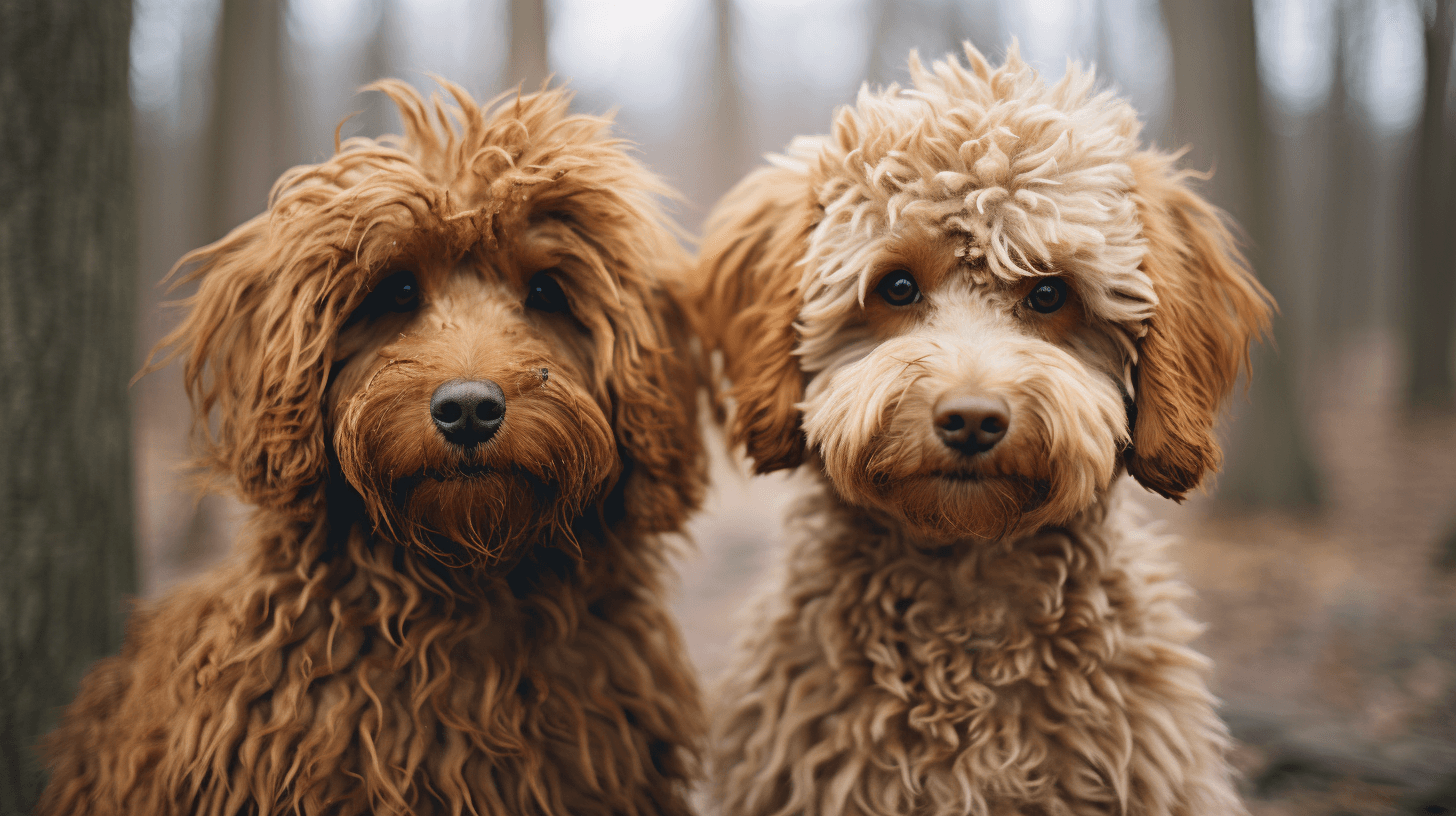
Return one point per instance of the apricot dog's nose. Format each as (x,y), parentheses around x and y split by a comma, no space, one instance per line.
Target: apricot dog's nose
(468,412)
(971,422)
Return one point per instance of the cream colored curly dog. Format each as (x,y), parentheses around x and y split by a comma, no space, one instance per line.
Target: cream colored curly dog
(966,312)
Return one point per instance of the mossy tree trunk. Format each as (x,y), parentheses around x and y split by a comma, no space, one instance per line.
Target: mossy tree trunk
(66,286)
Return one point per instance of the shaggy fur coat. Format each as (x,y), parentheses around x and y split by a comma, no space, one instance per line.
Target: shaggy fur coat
(412,624)
(963,315)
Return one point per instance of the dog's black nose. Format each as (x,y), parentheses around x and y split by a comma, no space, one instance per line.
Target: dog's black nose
(468,412)
(970,422)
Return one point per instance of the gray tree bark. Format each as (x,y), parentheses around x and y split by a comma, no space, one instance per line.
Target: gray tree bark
(1431,283)
(935,28)
(1218,110)
(67,271)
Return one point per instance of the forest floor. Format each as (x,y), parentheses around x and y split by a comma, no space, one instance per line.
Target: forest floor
(1333,636)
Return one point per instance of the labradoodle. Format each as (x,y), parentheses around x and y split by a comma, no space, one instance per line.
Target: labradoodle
(446,369)
(966,312)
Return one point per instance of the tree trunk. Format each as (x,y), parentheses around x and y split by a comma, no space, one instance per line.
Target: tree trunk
(726,127)
(250,134)
(1344,289)
(1431,282)
(1218,111)
(934,28)
(528,64)
(379,116)
(67,272)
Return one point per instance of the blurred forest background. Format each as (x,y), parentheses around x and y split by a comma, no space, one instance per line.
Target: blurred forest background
(1324,558)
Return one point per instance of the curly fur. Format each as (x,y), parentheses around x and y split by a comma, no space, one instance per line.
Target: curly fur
(988,632)
(410,626)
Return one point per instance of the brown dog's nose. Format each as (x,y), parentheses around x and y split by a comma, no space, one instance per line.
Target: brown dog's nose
(971,422)
(468,412)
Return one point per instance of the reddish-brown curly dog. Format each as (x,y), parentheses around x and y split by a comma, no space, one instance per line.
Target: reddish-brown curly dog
(967,311)
(446,369)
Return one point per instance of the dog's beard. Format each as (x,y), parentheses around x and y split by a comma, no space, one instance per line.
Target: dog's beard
(470,516)
(553,457)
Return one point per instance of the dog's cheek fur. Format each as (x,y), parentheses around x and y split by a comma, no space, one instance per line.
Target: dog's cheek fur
(749,300)
(1210,309)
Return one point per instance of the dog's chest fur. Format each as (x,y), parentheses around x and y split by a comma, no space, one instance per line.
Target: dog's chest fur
(1046,675)
(350,684)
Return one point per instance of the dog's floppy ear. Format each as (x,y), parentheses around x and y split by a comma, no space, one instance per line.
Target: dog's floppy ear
(748,301)
(655,384)
(257,342)
(1209,310)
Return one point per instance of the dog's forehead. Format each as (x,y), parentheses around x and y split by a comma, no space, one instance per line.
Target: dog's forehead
(1003,242)
(1008,173)
(477,180)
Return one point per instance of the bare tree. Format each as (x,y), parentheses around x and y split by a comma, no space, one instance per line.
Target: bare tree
(1431,282)
(1346,258)
(67,259)
(250,136)
(1102,40)
(528,63)
(1219,111)
(378,116)
(934,28)
(727,130)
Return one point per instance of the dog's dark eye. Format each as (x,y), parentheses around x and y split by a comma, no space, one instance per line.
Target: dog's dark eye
(544,294)
(898,288)
(1049,295)
(397,293)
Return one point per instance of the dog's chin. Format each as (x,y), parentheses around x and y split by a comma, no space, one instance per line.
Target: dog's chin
(478,515)
(963,504)
(1007,493)
(484,505)
(943,501)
